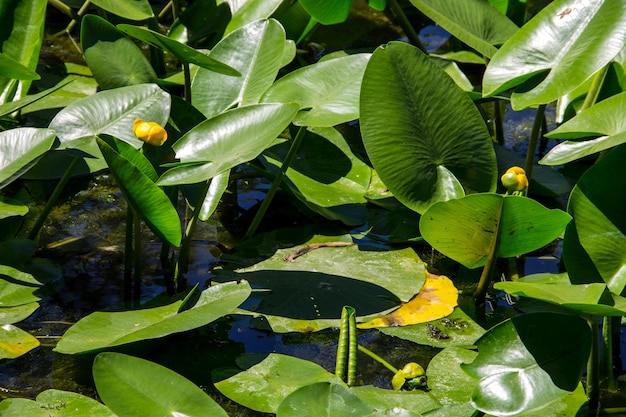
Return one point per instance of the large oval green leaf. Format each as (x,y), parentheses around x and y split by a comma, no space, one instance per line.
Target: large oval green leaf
(183,52)
(556,51)
(328,91)
(100,330)
(10,315)
(474,22)
(20,149)
(146,198)
(528,362)
(407,107)
(227,140)
(256,51)
(324,399)
(604,119)
(114,60)
(129,9)
(14,342)
(54,403)
(465,229)
(597,205)
(136,387)
(111,112)
(266,383)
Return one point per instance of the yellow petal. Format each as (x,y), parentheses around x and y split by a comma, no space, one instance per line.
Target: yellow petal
(436,299)
(150,132)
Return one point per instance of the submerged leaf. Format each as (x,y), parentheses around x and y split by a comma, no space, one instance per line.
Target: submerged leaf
(436,299)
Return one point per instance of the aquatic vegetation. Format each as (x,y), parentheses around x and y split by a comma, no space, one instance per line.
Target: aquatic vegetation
(368,157)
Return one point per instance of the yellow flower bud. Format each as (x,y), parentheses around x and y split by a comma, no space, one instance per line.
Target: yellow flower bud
(150,132)
(514,179)
(412,370)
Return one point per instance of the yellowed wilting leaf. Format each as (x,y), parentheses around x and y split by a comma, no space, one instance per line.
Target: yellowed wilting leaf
(436,299)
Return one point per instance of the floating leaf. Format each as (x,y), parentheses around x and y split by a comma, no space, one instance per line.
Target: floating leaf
(100,330)
(54,403)
(323,399)
(267,381)
(436,299)
(14,342)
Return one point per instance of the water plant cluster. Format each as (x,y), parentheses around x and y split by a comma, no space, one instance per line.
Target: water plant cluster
(380,152)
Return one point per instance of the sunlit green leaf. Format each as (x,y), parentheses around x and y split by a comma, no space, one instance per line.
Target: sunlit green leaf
(267,381)
(247,11)
(556,51)
(134,386)
(328,12)
(111,112)
(519,372)
(328,92)
(54,403)
(323,399)
(14,342)
(100,330)
(11,68)
(256,51)
(464,229)
(20,149)
(225,141)
(10,315)
(420,159)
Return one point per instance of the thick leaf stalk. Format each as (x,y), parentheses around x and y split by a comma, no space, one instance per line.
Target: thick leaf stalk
(347,347)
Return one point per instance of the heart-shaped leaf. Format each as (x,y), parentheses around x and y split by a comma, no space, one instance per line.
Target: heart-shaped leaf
(328,92)
(227,140)
(134,386)
(114,60)
(256,51)
(112,112)
(100,330)
(474,22)
(519,372)
(20,149)
(464,229)
(420,159)
(556,51)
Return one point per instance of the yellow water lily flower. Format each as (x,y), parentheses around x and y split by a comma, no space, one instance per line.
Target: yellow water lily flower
(514,179)
(150,132)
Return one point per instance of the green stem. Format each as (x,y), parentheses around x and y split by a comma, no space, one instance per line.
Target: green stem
(594,90)
(157,58)
(291,154)
(79,14)
(497,121)
(32,235)
(607,352)
(490,266)
(137,257)
(183,256)
(593,380)
(187,75)
(410,33)
(128,255)
(534,139)
(378,359)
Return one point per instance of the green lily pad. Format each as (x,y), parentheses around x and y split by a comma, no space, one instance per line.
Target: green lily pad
(14,342)
(14,314)
(316,285)
(267,381)
(464,229)
(418,402)
(323,399)
(101,330)
(134,386)
(54,403)
(518,371)
(447,382)
(590,299)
